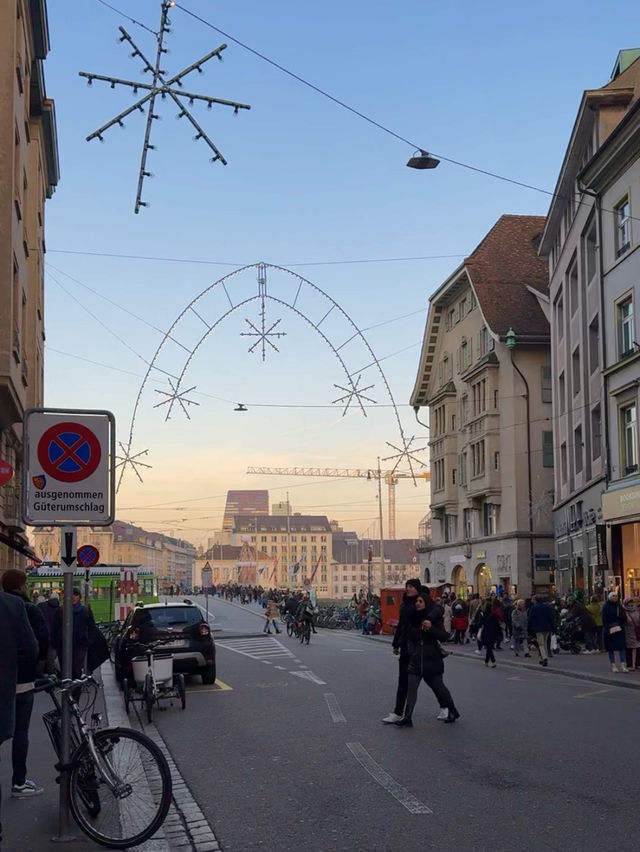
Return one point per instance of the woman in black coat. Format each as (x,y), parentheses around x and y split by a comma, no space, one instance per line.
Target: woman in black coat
(425,631)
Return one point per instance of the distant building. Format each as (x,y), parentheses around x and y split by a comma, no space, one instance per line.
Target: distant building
(350,565)
(29,172)
(485,375)
(282,508)
(229,564)
(244,503)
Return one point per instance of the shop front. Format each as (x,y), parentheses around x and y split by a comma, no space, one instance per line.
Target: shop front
(621,512)
(580,542)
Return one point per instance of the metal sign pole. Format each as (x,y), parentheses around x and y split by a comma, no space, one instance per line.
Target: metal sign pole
(68,561)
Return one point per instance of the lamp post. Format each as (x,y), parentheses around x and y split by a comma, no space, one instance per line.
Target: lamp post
(510,341)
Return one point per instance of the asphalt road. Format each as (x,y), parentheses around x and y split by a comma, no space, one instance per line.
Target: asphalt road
(294,757)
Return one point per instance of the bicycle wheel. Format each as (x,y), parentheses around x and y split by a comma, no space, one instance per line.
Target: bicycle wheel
(149,698)
(306,633)
(290,629)
(137,809)
(181,689)
(126,692)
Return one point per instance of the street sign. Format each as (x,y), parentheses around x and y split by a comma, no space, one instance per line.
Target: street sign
(87,556)
(69,475)
(6,472)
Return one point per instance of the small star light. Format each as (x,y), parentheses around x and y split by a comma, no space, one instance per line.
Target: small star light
(174,396)
(131,460)
(171,87)
(407,452)
(263,334)
(354,392)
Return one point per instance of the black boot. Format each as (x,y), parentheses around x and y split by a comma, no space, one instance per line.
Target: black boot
(404,722)
(453,715)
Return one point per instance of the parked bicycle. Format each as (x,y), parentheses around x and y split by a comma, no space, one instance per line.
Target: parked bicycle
(153,680)
(110,630)
(120,782)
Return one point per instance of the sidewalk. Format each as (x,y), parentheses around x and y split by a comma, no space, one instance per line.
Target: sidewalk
(29,824)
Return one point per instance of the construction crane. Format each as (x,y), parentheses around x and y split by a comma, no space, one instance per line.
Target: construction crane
(391,477)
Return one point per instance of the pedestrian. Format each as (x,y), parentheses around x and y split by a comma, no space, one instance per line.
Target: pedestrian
(363,608)
(520,629)
(19,652)
(14,582)
(83,625)
(272,613)
(595,608)
(447,619)
(490,633)
(586,622)
(48,609)
(426,662)
(459,621)
(632,634)
(476,628)
(400,648)
(542,624)
(370,621)
(499,613)
(613,622)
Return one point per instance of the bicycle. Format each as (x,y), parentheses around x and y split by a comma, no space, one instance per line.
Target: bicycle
(305,632)
(119,781)
(153,679)
(290,622)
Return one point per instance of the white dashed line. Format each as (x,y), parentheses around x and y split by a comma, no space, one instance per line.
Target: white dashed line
(310,676)
(406,799)
(334,708)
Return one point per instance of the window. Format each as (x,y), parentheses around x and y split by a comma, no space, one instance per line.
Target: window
(626,335)
(454,474)
(464,409)
(572,283)
(490,519)
(563,462)
(453,423)
(629,439)
(561,393)
(594,343)
(547,449)
(462,468)
(496,461)
(438,475)
(623,226)
(451,527)
(462,308)
(477,458)
(575,366)
(483,341)
(577,448)
(449,320)
(560,318)
(545,382)
(495,399)
(467,515)
(596,432)
(590,253)
(479,397)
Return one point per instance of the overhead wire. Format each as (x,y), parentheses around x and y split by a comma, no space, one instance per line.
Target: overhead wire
(128,17)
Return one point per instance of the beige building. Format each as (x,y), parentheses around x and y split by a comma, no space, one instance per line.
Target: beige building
(349,573)
(229,564)
(590,242)
(28,175)
(485,375)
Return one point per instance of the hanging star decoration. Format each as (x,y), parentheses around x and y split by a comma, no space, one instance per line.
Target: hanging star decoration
(263,334)
(407,453)
(171,87)
(131,460)
(354,392)
(174,396)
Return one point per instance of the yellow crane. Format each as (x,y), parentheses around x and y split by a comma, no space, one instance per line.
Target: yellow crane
(391,477)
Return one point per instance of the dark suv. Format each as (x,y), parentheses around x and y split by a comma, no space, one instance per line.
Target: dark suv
(182,630)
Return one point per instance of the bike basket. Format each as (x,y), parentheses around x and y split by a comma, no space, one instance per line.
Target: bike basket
(162,667)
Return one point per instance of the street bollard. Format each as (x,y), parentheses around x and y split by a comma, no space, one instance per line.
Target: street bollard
(68,560)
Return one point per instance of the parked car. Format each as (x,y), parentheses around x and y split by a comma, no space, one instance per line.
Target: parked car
(181,628)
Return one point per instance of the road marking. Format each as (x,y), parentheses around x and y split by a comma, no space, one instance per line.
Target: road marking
(406,799)
(309,676)
(515,677)
(282,668)
(220,686)
(596,692)
(257,648)
(334,708)
(354,650)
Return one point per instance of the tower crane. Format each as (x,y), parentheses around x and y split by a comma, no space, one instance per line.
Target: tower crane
(391,477)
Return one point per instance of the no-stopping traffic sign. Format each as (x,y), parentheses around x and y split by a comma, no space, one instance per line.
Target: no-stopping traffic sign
(69,467)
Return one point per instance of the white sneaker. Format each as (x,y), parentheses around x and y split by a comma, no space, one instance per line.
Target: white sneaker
(623,667)
(24,791)
(614,668)
(477,652)
(443,714)
(391,718)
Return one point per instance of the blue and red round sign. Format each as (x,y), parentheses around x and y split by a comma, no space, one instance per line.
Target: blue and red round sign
(87,556)
(69,452)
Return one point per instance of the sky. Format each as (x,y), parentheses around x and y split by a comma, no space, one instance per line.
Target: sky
(309,187)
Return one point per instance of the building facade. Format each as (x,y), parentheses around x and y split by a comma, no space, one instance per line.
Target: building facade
(485,375)
(249,503)
(349,572)
(613,174)
(591,258)
(29,172)
(229,564)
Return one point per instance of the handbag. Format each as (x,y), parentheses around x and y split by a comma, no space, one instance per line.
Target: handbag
(443,651)
(98,650)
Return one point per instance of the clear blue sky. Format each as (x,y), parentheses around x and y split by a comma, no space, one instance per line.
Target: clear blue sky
(494,85)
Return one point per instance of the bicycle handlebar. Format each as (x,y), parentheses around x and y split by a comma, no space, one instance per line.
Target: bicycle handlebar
(52,682)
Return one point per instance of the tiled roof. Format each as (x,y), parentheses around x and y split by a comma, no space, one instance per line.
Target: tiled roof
(502,267)
(278,523)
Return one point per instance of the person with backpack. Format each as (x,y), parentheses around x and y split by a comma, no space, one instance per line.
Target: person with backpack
(459,621)
(84,626)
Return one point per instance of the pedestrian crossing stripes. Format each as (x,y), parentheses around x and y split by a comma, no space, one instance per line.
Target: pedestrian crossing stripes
(263,648)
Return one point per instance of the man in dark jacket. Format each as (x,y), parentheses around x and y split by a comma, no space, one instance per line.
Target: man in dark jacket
(48,609)
(83,624)
(14,582)
(19,648)
(411,589)
(542,622)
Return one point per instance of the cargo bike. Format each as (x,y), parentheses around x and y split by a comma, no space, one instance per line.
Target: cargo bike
(153,680)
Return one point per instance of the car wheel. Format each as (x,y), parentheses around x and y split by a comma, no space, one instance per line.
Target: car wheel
(208,673)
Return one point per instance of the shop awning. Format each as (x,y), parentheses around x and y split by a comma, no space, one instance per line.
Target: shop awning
(21,548)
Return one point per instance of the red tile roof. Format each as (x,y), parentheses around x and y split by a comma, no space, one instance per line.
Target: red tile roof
(501,268)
